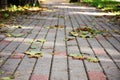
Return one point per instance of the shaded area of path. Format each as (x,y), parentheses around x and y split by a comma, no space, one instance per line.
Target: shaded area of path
(55,63)
(54,1)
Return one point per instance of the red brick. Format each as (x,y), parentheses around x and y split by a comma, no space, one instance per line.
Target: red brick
(96,76)
(100,38)
(39,77)
(99,51)
(57,53)
(5,42)
(17,56)
(52,31)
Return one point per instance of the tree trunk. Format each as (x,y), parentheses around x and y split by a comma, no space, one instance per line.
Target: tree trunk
(30,2)
(13,2)
(22,2)
(74,0)
(3,3)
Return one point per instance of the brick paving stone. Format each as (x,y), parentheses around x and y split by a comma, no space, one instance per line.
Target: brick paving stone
(17,56)
(58,53)
(58,66)
(99,51)
(96,76)
(52,31)
(5,42)
(39,77)
(100,38)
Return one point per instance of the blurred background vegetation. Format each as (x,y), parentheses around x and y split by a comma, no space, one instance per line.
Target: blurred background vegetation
(107,5)
(14,8)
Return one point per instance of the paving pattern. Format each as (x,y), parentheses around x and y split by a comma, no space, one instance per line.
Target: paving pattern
(55,63)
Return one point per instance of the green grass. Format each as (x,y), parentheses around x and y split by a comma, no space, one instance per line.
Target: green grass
(107,5)
(6,14)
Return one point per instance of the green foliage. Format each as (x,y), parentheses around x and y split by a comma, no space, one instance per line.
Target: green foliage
(6,15)
(15,11)
(107,5)
(13,7)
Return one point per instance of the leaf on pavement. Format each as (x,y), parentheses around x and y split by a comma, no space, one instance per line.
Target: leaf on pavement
(59,26)
(104,31)
(18,26)
(61,16)
(55,26)
(75,34)
(49,27)
(14,35)
(90,59)
(2,72)
(8,35)
(41,40)
(68,39)
(17,35)
(32,47)
(8,78)
(116,31)
(34,54)
(54,16)
(84,32)
(29,32)
(76,56)
(98,16)
(107,35)
(82,57)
